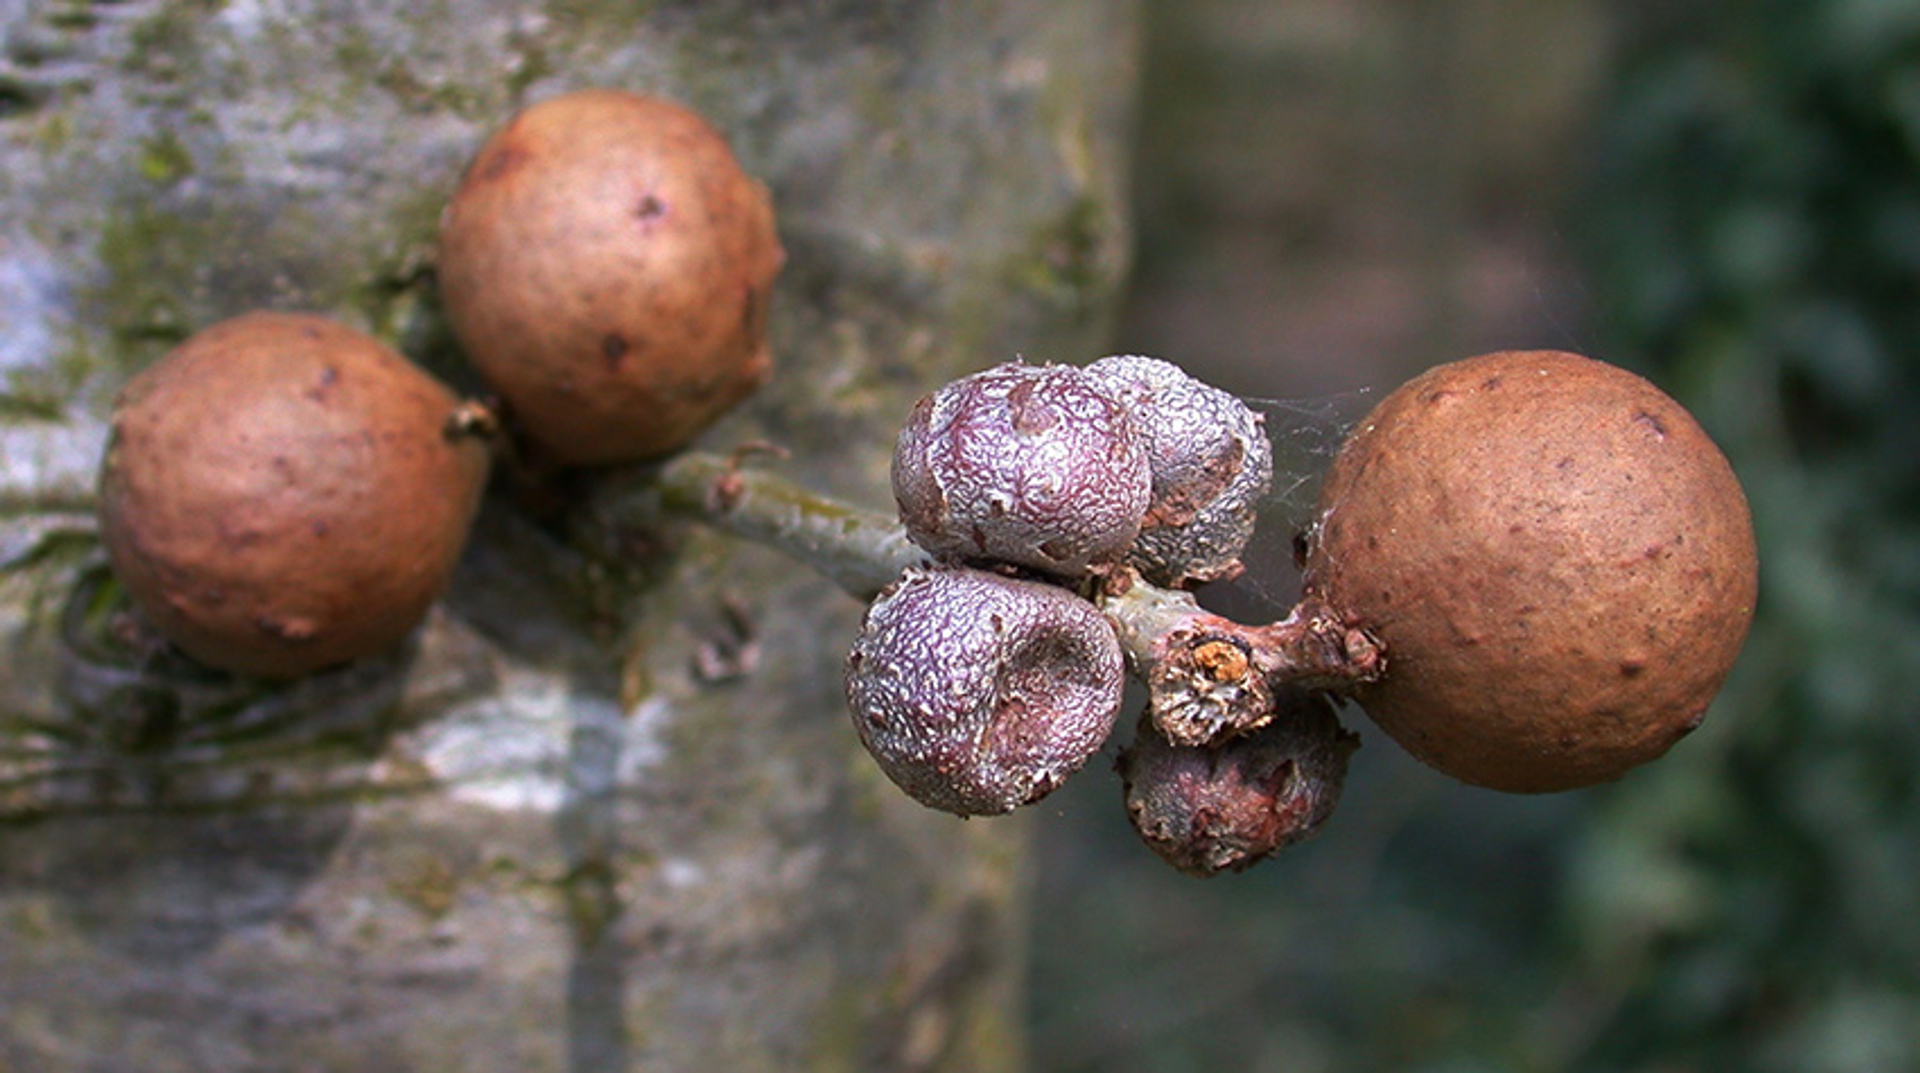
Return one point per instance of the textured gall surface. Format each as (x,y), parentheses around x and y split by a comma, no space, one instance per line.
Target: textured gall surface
(1211,466)
(1225,807)
(979,693)
(1032,465)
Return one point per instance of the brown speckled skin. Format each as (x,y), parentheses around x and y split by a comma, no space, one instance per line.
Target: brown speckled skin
(280,494)
(607,267)
(978,693)
(1559,562)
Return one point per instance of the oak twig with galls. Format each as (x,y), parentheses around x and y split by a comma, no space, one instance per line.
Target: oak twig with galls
(861,551)
(1208,677)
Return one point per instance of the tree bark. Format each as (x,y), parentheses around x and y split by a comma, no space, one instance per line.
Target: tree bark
(602,813)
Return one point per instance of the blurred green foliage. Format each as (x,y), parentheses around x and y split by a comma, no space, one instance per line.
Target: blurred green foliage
(1749,225)
(1755,241)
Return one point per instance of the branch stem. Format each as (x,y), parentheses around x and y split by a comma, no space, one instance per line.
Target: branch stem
(860,550)
(1209,678)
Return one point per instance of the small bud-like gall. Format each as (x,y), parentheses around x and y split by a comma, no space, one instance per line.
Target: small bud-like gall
(1223,808)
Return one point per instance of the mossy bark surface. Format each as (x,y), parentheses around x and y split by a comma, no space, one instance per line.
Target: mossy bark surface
(601,813)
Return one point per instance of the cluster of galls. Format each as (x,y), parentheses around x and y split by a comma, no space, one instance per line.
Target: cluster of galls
(1556,561)
(981,681)
(282,493)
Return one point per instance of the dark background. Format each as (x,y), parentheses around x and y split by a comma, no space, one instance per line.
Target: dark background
(1333,194)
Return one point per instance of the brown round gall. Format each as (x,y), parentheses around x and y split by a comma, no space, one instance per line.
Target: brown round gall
(281,494)
(607,267)
(978,693)
(1558,561)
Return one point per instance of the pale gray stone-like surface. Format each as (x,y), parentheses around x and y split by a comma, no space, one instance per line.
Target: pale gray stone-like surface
(594,818)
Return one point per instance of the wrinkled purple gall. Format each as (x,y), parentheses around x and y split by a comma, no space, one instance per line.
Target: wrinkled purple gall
(1211,464)
(979,693)
(1031,465)
(1223,808)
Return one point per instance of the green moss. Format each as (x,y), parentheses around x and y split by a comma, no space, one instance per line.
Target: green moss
(145,252)
(537,62)
(369,63)
(32,921)
(1069,263)
(580,24)
(397,251)
(591,891)
(164,159)
(32,395)
(73,17)
(355,51)
(55,132)
(165,46)
(840,1030)
(49,563)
